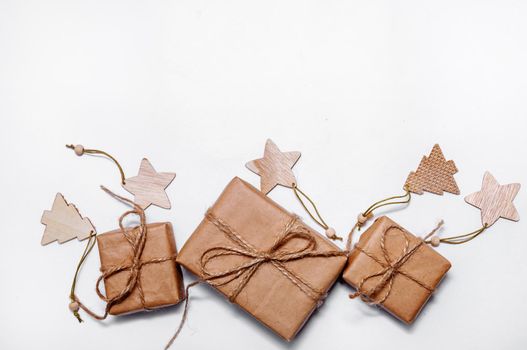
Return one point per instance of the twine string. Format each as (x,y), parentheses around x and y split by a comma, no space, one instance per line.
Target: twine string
(431,233)
(277,255)
(96,151)
(137,243)
(185,314)
(389,269)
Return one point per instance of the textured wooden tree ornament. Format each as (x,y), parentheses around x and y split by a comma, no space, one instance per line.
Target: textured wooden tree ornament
(275,168)
(149,186)
(495,200)
(63,223)
(434,174)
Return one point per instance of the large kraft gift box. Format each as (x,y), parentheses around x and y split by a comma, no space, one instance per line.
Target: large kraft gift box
(405,279)
(275,298)
(161,283)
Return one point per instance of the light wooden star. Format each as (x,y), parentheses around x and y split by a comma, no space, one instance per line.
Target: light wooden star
(495,200)
(149,186)
(274,168)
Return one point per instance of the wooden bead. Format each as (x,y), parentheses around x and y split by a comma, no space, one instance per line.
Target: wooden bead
(435,241)
(79,150)
(331,233)
(74,306)
(361,219)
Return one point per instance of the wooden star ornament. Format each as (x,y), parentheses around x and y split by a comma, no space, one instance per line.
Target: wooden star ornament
(149,186)
(495,200)
(275,168)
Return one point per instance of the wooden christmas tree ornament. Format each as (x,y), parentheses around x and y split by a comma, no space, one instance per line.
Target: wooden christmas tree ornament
(434,174)
(63,223)
(275,168)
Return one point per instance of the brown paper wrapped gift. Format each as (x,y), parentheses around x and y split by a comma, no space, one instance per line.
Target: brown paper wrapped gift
(160,283)
(394,269)
(262,258)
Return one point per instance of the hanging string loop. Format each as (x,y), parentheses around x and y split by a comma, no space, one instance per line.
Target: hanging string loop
(329,231)
(80,150)
(74,305)
(363,217)
(460,239)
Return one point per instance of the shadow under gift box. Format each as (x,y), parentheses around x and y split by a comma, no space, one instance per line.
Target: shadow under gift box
(161,283)
(269,295)
(411,285)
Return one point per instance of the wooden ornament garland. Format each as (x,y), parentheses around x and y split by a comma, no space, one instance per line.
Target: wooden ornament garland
(275,168)
(435,174)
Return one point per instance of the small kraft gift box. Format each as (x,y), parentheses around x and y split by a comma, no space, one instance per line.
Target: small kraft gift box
(263,258)
(159,282)
(394,269)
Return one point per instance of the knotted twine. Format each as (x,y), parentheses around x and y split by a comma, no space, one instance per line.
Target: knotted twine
(389,268)
(137,243)
(277,255)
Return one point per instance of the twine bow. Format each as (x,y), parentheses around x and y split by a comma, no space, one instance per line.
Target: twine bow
(137,243)
(389,269)
(277,255)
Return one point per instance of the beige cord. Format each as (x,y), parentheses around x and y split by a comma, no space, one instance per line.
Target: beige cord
(330,232)
(80,150)
(363,217)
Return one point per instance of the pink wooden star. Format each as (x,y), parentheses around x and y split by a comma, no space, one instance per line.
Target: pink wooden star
(149,186)
(275,167)
(495,200)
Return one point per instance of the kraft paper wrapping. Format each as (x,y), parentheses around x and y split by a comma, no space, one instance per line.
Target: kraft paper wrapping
(268,296)
(162,283)
(406,297)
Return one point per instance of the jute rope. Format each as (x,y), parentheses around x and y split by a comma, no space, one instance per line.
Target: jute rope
(277,255)
(389,269)
(137,243)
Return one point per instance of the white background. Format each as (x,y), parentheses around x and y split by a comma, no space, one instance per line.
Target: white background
(363,88)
